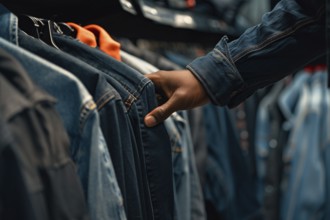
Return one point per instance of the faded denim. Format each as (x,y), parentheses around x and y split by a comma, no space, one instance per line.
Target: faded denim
(304,182)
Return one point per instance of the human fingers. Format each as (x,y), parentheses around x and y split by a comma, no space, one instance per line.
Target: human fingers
(160,113)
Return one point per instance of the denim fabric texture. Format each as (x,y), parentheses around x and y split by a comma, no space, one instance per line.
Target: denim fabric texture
(270,139)
(219,187)
(12,182)
(153,143)
(325,141)
(88,148)
(34,170)
(112,118)
(198,133)
(187,189)
(229,187)
(292,29)
(264,137)
(245,187)
(181,174)
(305,171)
(197,199)
(188,192)
(323,135)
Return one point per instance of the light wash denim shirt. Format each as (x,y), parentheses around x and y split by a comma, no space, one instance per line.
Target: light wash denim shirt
(81,120)
(288,38)
(304,188)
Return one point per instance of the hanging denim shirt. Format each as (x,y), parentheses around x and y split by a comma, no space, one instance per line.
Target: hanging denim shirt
(219,187)
(264,137)
(197,209)
(187,190)
(154,145)
(227,169)
(35,162)
(113,119)
(304,190)
(88,148)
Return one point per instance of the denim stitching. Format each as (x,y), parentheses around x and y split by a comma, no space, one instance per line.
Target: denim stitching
(223,56)
(85,111)
(133,94)
(129,101)
(13,26)
(276,37)
(104,100)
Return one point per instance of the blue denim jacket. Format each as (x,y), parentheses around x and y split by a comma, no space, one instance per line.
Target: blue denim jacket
(81,120)
(153,143)
(113,120)
(187,190)
(88,148)
(289,37)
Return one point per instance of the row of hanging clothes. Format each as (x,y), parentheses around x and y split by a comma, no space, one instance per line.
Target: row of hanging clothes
(268,158)
(271,158)
(292,147)
(74,146)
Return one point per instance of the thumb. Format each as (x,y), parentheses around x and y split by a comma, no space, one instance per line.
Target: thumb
(159,114)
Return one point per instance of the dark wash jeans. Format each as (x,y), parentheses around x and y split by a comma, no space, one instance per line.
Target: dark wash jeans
(154,145)
(38,180)
(113,120)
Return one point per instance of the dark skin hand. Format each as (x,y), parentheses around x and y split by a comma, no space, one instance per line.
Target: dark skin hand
(181,89)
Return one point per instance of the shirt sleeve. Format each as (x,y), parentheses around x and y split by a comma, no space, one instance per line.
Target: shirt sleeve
(288,37)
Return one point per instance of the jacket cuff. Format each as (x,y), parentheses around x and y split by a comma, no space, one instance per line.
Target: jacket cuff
(217,74)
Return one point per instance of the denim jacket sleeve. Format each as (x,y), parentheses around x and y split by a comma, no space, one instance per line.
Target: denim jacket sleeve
(288,37)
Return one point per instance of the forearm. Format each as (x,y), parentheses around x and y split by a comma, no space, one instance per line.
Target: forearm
(289,37)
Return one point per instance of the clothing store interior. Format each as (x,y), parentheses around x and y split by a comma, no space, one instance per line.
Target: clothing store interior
(73,96)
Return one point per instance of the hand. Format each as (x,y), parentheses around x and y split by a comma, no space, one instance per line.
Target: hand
(182,91)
